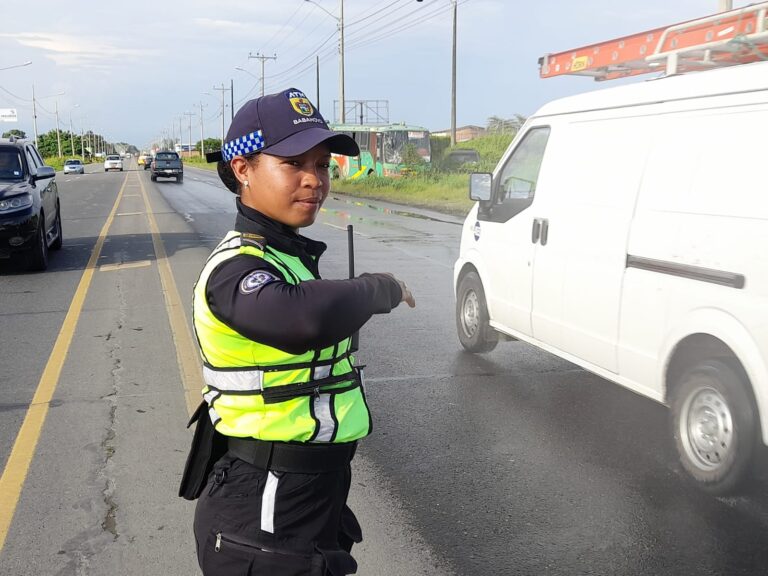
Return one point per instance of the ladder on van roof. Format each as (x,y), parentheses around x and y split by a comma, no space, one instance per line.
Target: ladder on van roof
(735,37)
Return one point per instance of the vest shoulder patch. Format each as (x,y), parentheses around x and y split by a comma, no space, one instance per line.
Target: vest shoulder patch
(255,240)
(255,280)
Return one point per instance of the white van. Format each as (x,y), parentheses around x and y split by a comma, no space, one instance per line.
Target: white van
(626,230)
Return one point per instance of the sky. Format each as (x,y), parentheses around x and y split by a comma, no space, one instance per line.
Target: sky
(134,71)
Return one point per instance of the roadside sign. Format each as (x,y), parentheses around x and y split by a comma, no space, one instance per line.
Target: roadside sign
(8,115)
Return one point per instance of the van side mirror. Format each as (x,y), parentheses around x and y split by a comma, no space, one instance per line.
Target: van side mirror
(44,172)
(480,186)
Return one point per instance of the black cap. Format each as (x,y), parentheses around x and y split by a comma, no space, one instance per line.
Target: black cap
(281,124)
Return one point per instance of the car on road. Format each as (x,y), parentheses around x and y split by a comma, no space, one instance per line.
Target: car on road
(113,162)
(145,160)
(74,166)
(167,165)
(30,213)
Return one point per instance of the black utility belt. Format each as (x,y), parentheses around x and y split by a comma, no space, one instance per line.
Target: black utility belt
(276,394)
(296,458)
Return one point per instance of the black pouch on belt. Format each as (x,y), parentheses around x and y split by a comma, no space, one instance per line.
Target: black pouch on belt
(207,447)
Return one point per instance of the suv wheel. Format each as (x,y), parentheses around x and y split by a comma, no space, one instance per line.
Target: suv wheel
(38,259)
(59,239)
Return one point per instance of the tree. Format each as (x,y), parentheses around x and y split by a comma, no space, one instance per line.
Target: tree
(211,144)
(498,125)
(15,132)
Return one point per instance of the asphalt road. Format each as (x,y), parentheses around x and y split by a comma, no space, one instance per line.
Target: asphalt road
(514,462)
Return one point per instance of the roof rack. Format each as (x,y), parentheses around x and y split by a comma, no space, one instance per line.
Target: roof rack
(726,39)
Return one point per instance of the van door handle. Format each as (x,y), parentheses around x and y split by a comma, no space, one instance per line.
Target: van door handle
(536,231)
(544,231)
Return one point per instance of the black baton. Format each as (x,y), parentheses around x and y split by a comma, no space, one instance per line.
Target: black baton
(351,250)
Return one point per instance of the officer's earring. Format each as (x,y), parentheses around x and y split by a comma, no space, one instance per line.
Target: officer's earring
(245,183)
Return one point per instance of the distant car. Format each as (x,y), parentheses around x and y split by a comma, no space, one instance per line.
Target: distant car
(30,214)
(74,167)
(145,160)
(113,162)
(459,157)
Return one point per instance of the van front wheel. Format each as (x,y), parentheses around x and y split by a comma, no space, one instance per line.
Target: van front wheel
(475,333)
(715,426)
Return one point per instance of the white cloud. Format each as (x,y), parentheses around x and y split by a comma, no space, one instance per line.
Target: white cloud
(76,51)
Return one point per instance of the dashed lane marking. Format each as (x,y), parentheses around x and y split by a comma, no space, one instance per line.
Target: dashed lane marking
(124,265)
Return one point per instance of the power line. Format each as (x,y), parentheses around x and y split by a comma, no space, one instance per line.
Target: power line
(372,14)
(298,7)
(387,33)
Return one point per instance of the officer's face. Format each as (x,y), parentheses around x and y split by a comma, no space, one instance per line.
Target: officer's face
(290,190)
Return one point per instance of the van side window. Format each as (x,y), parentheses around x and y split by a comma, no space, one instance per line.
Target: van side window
(516,184)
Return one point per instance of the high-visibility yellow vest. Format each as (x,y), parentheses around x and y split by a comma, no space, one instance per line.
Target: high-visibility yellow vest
(254,390)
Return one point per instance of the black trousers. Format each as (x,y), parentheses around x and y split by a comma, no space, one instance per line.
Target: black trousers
(251,521)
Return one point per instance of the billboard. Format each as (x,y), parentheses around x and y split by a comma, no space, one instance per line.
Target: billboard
(8,115)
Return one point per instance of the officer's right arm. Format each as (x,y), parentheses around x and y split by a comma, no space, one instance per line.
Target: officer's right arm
(252,297)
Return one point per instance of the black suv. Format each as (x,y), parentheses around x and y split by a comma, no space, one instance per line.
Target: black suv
(30,215)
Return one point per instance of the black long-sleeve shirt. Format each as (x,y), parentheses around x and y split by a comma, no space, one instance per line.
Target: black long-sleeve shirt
(294,318)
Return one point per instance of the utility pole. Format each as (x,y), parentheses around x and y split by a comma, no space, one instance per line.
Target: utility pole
(190,114)
(341,60)
(34,114)
(222,110)
(71,135)
(58,134)
(263,59)
(202,132)
(231,100)
(317,77)
(181,134)
(82,143)
(453,81)
(725,5)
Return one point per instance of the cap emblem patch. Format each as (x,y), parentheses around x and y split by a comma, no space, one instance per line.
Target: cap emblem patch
(301,103)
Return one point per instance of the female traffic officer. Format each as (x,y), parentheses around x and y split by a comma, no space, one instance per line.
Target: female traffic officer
(284,400)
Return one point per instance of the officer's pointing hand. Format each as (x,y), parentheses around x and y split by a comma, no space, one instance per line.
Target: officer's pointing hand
(407,296)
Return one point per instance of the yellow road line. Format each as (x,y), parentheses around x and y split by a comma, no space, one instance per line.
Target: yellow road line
(124,265)
(17,467)
(186,352)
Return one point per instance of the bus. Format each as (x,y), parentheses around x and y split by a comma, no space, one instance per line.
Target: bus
(381,149)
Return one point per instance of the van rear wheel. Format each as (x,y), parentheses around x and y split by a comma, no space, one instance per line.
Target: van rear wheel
(475,333)
(715,426)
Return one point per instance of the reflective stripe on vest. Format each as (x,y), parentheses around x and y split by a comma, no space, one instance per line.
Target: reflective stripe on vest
(254,390)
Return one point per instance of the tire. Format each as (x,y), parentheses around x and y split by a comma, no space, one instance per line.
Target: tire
(715,426)
(179,179)
(59,240)
(475,333)
(153,178)
(38,259)
(106,169)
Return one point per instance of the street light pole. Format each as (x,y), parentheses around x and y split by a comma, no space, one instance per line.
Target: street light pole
(202,132)
(34,114)
(71,133)
(725,5)
(189,149)
(453,81)
(58,134)
(27,63)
